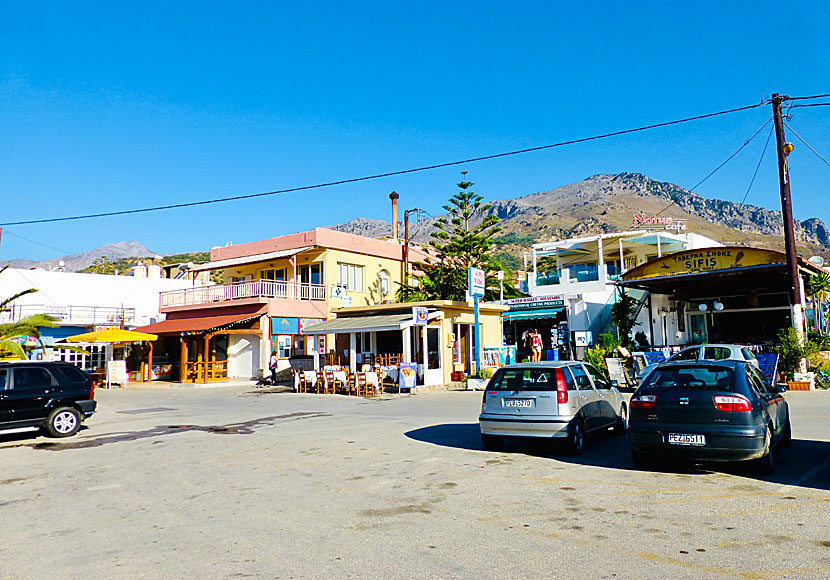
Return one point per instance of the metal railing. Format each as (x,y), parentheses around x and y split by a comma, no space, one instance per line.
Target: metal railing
(71,314)
(240,290)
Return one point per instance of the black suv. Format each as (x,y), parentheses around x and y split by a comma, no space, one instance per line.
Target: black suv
(54,396)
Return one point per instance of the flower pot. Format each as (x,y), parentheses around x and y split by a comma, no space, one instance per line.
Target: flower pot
(798,385)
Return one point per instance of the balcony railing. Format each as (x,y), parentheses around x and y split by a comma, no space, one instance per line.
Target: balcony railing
(71,314)
(240,290)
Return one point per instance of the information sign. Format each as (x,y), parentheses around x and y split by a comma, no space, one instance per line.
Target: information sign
(476,282)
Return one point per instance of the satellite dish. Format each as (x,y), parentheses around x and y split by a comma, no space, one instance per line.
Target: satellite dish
(816,260)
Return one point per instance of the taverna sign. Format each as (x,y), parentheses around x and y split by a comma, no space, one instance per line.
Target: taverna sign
(668,223)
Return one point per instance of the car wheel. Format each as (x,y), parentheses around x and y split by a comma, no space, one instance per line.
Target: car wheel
(63,422)
(492,442)
(621,425)
(576,437)
(787,435)
(765,464)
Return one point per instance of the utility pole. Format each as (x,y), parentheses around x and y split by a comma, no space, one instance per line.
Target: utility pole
(784,149)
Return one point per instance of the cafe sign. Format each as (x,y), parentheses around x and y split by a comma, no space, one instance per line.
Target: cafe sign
(705,260)
(668,223)
(535,302)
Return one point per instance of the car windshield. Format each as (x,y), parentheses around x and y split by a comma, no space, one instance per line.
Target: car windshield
(523,379)
(701,377)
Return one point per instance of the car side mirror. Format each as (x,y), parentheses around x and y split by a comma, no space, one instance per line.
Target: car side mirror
(780,389)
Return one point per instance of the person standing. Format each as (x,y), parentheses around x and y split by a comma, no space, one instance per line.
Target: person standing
(536,345)
(272,366)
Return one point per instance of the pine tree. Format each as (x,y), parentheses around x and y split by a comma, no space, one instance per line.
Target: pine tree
(463,239)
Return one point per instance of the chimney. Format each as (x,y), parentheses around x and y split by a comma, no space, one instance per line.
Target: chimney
(394,197)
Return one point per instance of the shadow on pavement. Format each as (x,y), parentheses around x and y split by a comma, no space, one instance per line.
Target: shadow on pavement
(806,463)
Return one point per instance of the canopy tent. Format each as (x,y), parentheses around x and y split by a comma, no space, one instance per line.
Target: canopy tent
(111,334)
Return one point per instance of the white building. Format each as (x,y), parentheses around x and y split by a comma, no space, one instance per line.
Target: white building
(577,276)
(83,301)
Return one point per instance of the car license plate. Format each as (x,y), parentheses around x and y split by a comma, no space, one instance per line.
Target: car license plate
(684,439)
(518,402)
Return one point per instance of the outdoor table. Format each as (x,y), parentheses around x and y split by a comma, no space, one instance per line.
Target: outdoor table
(339,375)
(310,376)
(373,379)
(391,372)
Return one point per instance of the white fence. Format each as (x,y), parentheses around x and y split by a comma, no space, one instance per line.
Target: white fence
(72,314)
(239,290)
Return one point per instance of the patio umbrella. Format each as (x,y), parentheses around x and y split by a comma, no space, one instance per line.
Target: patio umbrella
(111,334)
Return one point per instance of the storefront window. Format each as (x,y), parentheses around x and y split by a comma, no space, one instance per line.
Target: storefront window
(283,346)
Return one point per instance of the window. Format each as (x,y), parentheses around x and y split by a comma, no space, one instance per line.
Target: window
(273,274)
(350,276)
(716,353)
(97,357)
(600,382)
(383,283)
(687,354)
(523,379)
(3,374)
(72,374)
(692,377)
(284,346)
(581,378)
(311,274)
(31,378)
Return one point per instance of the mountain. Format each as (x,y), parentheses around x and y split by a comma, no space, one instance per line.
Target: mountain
(77,262)
(608,203)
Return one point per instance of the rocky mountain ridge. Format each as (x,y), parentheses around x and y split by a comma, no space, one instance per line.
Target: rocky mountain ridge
(606,203)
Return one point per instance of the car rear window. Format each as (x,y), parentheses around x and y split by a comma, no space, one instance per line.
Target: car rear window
(543,379)
(72,374)
(691,377)
(716,353)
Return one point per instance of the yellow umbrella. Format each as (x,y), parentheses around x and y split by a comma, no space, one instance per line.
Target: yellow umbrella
(111,334)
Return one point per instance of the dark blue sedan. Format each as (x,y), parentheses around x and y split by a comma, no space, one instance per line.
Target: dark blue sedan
(708,411)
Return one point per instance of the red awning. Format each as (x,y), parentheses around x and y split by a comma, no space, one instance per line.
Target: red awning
(199,323)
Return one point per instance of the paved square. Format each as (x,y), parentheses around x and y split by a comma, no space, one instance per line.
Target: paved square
(234,482)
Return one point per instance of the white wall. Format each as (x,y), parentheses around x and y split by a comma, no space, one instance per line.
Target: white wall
(243,355)
(73,289)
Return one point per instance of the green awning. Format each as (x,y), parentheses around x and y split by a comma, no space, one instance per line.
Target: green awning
(532,314)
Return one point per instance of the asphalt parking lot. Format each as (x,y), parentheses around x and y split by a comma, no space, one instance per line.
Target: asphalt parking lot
(235,482)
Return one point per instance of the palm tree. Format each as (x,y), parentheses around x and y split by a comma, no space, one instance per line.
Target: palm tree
(817,288)
(28,326)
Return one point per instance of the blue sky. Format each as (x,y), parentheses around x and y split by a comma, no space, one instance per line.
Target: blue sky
(109,106)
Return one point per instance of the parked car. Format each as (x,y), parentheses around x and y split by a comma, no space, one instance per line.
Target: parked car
(54,396)
(708,411)
(559,400)
(706,352)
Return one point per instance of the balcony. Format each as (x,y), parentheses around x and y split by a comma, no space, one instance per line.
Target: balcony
(80,315)
(241,291)
(573,279)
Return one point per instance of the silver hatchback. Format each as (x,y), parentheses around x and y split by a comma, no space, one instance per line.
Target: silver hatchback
(549,400)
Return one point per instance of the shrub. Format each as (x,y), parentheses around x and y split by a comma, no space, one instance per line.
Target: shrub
(790,352)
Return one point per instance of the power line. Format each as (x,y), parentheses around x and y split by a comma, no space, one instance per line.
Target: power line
(716,169)
(807,144)
(757,167)
(387,174)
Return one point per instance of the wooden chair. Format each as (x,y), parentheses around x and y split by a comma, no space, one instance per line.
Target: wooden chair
(302,385)
(360,384)
(329,380)
(346,387)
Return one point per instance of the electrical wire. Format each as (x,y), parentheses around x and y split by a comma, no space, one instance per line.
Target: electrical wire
(785,98)
(807,144)
(757,167)
(728,159)
(387,174)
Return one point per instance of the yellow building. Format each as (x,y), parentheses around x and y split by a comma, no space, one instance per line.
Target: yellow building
(270,291)
(442,345)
